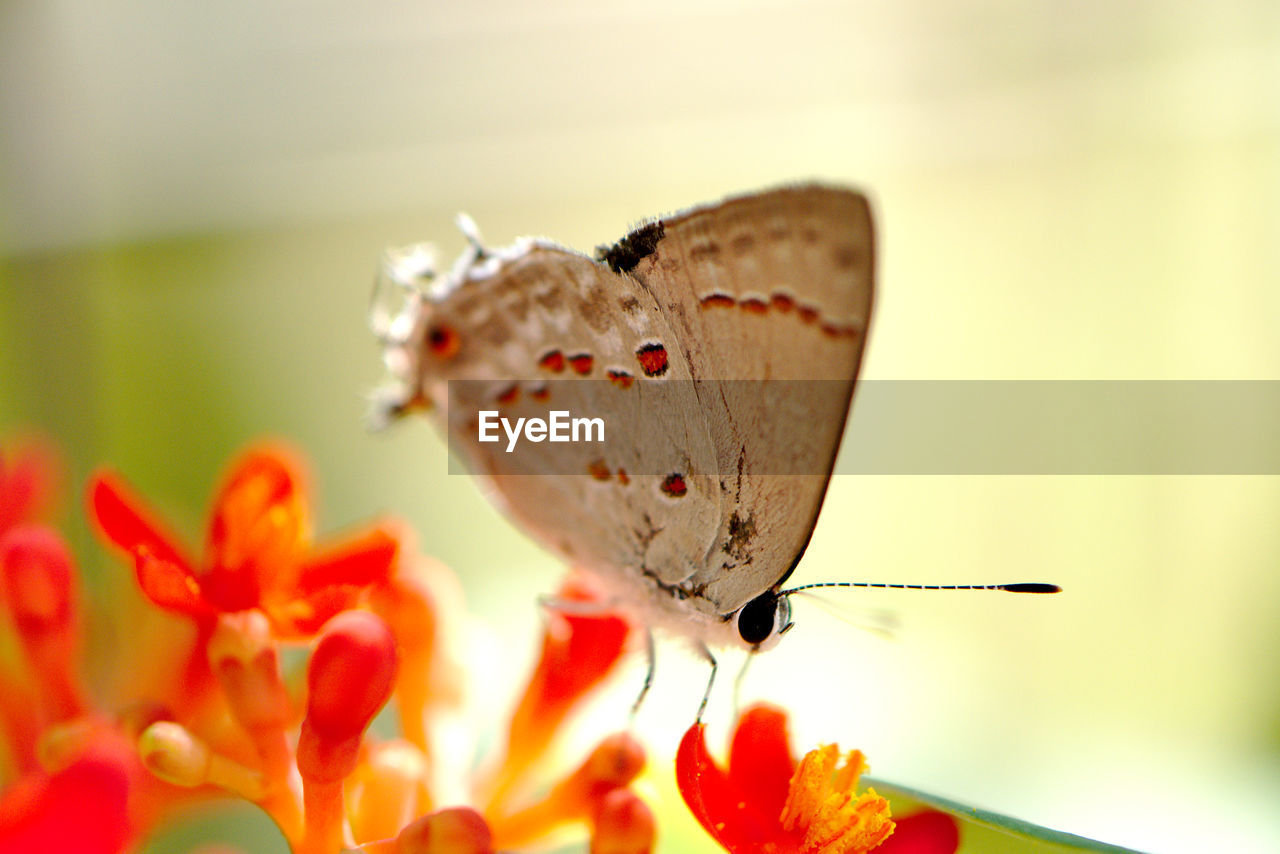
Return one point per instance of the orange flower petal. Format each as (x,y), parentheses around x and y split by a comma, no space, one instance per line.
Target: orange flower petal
(358,561)
(715,802)
(387,791)
(330,582)
(125,520)
(169,585)
(760,761)
(258,530)
(927,832)
(297,617)
(416,603)
(578,652)
(612,765)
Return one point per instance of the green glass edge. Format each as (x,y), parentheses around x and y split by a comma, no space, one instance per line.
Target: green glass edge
(994,820)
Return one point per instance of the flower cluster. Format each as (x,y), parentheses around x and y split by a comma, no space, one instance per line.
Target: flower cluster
(218,714)
(767,802)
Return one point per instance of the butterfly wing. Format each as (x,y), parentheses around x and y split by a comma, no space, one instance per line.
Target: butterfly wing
(540,328)
(709,487)
(769,296)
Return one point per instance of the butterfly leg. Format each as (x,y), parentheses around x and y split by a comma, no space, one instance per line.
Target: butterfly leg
(650,658)
(711,680)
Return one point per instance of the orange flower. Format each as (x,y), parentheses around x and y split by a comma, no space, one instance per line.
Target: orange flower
(72,759)
(257,553)
(36,814)
(228,723)
(767,803)
(578,651)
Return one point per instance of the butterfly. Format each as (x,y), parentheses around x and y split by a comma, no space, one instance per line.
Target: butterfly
(694,517)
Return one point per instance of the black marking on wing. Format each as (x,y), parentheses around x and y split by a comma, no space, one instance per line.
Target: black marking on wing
(623,256)
(741,531)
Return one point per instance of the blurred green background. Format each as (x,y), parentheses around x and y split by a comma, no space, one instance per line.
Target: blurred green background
(193,199)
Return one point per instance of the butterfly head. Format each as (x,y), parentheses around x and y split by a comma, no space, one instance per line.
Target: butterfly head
(763,621)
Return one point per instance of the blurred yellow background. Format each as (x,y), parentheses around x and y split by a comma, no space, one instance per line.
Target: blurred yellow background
(193,199)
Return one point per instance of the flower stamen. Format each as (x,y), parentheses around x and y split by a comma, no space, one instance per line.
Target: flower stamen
(821,804)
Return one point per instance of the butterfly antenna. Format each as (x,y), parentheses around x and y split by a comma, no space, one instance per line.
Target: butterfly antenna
(1020,587)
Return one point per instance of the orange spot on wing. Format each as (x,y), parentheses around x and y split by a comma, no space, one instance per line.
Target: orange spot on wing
(718,301)
(621,379)
(444,341)
(539,392)
(782,302)
(622,477)
(653,359)
(809,314)
(508,395)
(598,470)
(836,330)
(674,485)
(754,305)
(553,361)
(581,363)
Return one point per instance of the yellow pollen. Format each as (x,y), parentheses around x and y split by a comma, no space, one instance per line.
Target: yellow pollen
(823,806)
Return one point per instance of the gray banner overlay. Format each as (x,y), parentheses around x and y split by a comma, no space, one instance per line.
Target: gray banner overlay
(1174,427)
(915,427)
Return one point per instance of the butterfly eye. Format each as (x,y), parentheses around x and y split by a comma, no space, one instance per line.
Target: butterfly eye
(443,341)
(763,620)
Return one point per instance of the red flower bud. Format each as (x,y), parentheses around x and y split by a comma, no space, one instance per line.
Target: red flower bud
(623,824)
(349,678)
(351,674)
(39,582)
(452,831)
